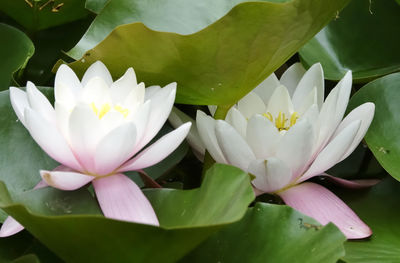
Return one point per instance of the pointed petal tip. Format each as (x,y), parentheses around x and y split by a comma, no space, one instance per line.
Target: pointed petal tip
(10,227)
(67,181)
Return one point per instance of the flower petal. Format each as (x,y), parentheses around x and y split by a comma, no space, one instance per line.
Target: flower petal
(19,101)
(50,140)
(235,148)
(250,105)
(314,77)
(206,128)
(97,69)
(318,202)
(159,150)
(271,174)
(96,92)
(292,76)
(123,86)
(262,136)
(40,103)
(10,227)
(267,87)
(280,102)
(354,184)
(295,147)
(333,152)
(66,85)
(150,91)
(67,181)
(115,148)
(237,120)
(120,198)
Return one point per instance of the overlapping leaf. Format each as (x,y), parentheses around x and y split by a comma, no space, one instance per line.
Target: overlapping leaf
(363,38)
(218,64)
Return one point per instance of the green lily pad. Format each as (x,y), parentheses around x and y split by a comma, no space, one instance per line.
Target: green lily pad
(40,14)
(379,208)
(383,135)
(187,217)
(15,50)
(95,5)
(363,38)
(272,233)
(213,65)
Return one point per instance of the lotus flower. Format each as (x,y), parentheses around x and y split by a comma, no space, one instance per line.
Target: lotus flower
(284,133)
(96,131)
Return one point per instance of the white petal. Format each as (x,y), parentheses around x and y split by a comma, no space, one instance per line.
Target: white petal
(206,128)
(234,147)
(67,181)
(237,120)
(292,76)
(161,105)
(140,119)
(310,100)
(96,91)
(333,152)
(135,98)
(123,86)
(19,102)
(159,150)
(251,104)
(314,77)
(280,102)
(115,148)
(212,109)
(262,136)
(267,87)
(365,113)
(66,86)
(271,174)
(40,103)
(295,147)
(97,69)
(150,91)
(50,140)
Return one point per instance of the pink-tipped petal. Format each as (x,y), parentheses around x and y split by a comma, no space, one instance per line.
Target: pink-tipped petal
(19,101)
(319,203)
(159,150)
(120,198)
(10,227)
(67,181)
(354,184)
(50,139)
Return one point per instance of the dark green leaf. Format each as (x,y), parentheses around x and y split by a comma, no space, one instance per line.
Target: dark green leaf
(272,233)
(187,218)
(363,38)
(218,64)
(383,135)
(15,51)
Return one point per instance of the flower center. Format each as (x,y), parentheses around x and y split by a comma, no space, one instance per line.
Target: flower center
(101,111)
(281,122)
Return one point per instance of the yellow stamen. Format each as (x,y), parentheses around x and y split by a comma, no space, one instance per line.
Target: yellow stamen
(293,118)
(121,110)
(105,108)
(269,116)
(281,122)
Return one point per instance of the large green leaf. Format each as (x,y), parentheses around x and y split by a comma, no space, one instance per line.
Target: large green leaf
(15,51)
(272,233)
(218,64)
(383,135)
(364,38)
(40,14)
(379,208)
(186,217)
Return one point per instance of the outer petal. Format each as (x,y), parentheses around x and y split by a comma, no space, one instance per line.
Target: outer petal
(115,148)
(97,69)
(40,103)
(333,152)
(158,150)
(206,128)
(295,147)
(123,86)
(354,184)
(161,105)
(234,147)
(19,101)
(120,198)
(262,136)
(177,118)
(237,120)
(365,113)
(292,76)
(267,87)
(10,227)
(67,181)
(271,174)
(66,85)
(250,105)
(50,140)
(150,91)
(316,201)
(314,77)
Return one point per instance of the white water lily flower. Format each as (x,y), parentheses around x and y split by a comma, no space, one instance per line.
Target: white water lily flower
(284,133)
(97,131)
